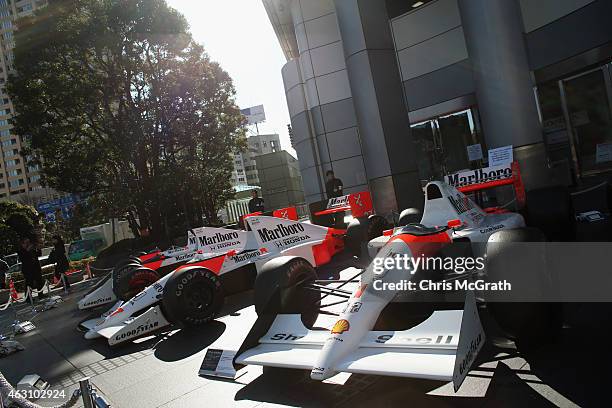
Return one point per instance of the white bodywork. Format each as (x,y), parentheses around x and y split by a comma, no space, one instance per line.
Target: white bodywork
(273,237)
(442,347)
(203,242)
(477,225)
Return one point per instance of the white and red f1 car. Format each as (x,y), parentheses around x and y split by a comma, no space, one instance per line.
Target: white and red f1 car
(133,274)
(373,334)
(194,293)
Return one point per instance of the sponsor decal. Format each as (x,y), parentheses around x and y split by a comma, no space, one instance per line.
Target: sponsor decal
(184,257)
(479,176)
(442,339)
(285,336)
(352,307)
(218,238)
(337,202)
(332,338)
(98,301)
(318,369)
(461,203)
(280,231)
(158,287)
(491,229)
(283,214)
(141,329)
(246,256)
(340,327)
(471,354)
(358,200)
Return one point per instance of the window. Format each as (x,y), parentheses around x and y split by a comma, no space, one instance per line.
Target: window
(12,152)
(14,173)
(4,122)
(9,142)
(16,183)
(25,7)
(5,132)
(7,24)
(13,162)
(33,168)
(34,178)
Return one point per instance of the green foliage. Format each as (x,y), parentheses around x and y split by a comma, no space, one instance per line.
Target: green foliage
(16,221)
(119,101)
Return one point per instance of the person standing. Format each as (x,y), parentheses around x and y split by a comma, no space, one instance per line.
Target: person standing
(30,267)
(58,256)
(333,186)
(256,203)
(3,270)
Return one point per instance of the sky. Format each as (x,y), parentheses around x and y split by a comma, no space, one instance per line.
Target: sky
(238,35)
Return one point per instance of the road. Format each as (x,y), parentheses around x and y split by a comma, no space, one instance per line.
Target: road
(163,371)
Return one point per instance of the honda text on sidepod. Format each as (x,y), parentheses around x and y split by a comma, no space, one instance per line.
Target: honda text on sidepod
(135,273)
(372,333)
(194,293)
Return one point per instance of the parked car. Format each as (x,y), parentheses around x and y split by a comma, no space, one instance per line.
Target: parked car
(85,248)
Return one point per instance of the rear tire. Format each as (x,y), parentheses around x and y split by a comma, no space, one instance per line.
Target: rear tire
(360,231)
(549,209)
(279,289)
(529,324)
(134,281)
(192,296)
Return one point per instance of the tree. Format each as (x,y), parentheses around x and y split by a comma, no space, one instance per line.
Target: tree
(16,221)
(117,100)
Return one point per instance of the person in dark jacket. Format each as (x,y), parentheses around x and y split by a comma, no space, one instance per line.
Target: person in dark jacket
(256,203)
(3,270)
(333,186)
(30,266)
(58,256)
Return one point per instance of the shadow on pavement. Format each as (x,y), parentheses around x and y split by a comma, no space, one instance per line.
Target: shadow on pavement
(187,342)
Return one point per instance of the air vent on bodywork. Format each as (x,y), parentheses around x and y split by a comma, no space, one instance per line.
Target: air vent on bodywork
(433,192)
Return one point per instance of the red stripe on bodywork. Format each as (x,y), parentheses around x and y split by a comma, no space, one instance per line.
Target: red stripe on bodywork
(212,264)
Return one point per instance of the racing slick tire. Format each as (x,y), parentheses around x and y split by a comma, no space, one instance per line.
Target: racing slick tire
(280,289)
(550,210)
(192,296)
(360,231)
(530,324)
(133,281)
(409,216)
(118,271)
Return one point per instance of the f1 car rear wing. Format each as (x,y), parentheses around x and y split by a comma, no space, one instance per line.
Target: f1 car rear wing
(359,204)
(288,213)
(490,177)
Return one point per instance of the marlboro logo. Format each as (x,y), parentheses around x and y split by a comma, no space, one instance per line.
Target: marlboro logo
(479,176)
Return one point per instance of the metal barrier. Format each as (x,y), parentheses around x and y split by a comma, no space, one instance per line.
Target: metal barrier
(88,393)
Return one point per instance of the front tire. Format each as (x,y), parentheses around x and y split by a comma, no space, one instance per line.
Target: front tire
(133,281)
(516,255)
(360,231)
(280,289)
(192,296)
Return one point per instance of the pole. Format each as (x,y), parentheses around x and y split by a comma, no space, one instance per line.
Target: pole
(86,393)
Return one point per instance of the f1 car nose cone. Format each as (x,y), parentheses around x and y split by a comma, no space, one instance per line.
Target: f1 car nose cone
(320,373)
(92,334)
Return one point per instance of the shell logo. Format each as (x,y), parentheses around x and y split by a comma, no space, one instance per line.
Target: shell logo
(341,326)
